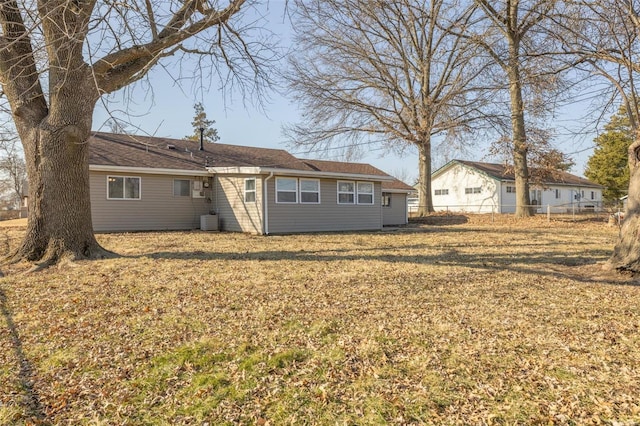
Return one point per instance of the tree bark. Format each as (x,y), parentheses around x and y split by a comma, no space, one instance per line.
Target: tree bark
(520,167)
(56,151)
(59,225)
(424,186)
(626,253)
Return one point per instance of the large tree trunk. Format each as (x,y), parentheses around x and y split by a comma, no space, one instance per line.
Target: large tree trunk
(424,182)
(55,141)
(59,224)
(626,253)
(521,170)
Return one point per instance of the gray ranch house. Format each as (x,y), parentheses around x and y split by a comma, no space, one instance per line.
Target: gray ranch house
(148,183)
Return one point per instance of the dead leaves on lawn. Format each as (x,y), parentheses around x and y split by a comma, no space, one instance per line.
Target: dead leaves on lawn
(477,323)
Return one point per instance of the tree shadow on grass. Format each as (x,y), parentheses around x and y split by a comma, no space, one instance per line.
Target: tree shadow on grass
(440,219)
(552,263)
(30,397)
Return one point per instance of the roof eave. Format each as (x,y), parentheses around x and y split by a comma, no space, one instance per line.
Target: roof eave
(294,172)
(398,191)
(147,170)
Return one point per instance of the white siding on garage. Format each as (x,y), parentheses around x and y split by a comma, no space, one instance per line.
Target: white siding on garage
(561,198)
(508,197)
(157,208)
(328,215)
(451,186)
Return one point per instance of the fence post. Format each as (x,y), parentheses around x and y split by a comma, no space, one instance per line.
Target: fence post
(548,213)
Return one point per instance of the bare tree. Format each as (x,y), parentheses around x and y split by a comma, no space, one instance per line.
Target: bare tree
(516,40)
(116,126)
(386,73)
(13,169)
(543,160)
(606,34)
(59,59)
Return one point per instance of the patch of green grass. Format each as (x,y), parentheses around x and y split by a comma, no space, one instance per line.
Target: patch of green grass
(287,358)
(476,323)
(60,358)
(190,381)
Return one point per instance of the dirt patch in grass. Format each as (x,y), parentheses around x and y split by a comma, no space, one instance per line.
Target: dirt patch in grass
(475,323)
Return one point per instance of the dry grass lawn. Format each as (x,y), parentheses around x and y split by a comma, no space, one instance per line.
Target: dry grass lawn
(510,322)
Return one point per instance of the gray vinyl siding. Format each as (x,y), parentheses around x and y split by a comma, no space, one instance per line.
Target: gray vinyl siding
(157,208)
(396,213)
(326,216)
(233,213)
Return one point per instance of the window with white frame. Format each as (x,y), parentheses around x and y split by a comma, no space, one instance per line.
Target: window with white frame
(386,199)
(309,191)
(250,190)
(593,195)
(511,189)
(123,188)
(346,192)
(181,187)
(475,190)
(286,190)
(558,194)
(441,192)
(365,192)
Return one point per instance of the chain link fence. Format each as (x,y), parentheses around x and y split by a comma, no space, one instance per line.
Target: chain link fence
(592,211)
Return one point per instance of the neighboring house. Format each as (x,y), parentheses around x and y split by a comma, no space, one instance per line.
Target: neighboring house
(471,186)
(148,183)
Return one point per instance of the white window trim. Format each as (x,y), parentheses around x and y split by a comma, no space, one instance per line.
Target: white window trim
(295,191)
(311,192)
(181,196)
(473,190)
(254,191)
(355,186)
(372,193)
(123,198)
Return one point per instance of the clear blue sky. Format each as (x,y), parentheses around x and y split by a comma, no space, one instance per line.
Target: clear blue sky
(169,112)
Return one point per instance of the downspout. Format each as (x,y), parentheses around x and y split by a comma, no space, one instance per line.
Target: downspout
(379,205)
(215,193)
(265,202)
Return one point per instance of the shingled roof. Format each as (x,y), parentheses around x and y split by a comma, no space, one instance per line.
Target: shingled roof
(501,172)
(108,149)
(119,150)
(357,168)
